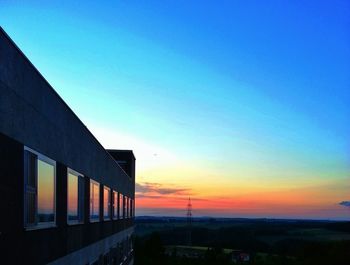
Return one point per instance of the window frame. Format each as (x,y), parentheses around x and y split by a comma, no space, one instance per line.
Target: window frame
(39,225)
(96,219)
(78,175)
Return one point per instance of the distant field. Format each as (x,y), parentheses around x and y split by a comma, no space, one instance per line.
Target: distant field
(313,234)
(304,229)
(147,228)
(181,248)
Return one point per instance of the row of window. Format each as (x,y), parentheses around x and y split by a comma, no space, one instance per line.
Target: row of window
(40,188)
(115,205)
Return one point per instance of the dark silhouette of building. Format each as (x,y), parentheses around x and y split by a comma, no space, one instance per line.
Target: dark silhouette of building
(64,199)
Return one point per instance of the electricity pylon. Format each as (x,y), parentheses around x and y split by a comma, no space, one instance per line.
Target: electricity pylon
(189,222)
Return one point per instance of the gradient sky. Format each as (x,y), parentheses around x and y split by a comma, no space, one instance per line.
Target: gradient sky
(242,105)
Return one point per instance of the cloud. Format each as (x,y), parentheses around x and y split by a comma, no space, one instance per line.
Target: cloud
(138,195)
(345,203)
(148,187)
(165,191)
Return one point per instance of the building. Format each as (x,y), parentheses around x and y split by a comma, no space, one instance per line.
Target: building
(239,256)
(64,199)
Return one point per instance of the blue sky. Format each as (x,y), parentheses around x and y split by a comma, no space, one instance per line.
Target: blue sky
(244,92)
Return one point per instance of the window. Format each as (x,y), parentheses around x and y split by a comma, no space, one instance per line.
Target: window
(115,205)
(94,201)
(39,186)
(106,203)
(121,206)
(75,197)
(127,207)
(124,207)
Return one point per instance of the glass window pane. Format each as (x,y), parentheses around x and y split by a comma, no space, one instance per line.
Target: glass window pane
(72,197)
(95,200)
(30,164)
(46,192)
(75,197)
(120,206)
(124,207)
(30,199)
(106,202)
(127,207)
(115,204)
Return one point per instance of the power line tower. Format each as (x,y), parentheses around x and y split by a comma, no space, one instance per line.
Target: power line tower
(189,222)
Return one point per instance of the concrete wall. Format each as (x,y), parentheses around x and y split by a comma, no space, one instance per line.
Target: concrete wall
(32,113)
(92,253)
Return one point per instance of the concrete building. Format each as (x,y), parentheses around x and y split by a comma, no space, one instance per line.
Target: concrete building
(64,199)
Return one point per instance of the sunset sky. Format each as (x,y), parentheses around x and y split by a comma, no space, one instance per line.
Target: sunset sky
(242,105)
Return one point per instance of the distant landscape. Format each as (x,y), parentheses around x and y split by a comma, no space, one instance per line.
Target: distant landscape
(170,240)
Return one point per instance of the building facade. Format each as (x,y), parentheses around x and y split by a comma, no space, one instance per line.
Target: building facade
(64,199)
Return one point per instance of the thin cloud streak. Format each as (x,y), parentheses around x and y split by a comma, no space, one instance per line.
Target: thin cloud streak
(147,188)
(345,203)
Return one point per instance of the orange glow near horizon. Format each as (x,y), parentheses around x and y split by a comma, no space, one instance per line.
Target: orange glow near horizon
(302,202)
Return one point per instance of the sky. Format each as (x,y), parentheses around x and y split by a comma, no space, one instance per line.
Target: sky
(241,105)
